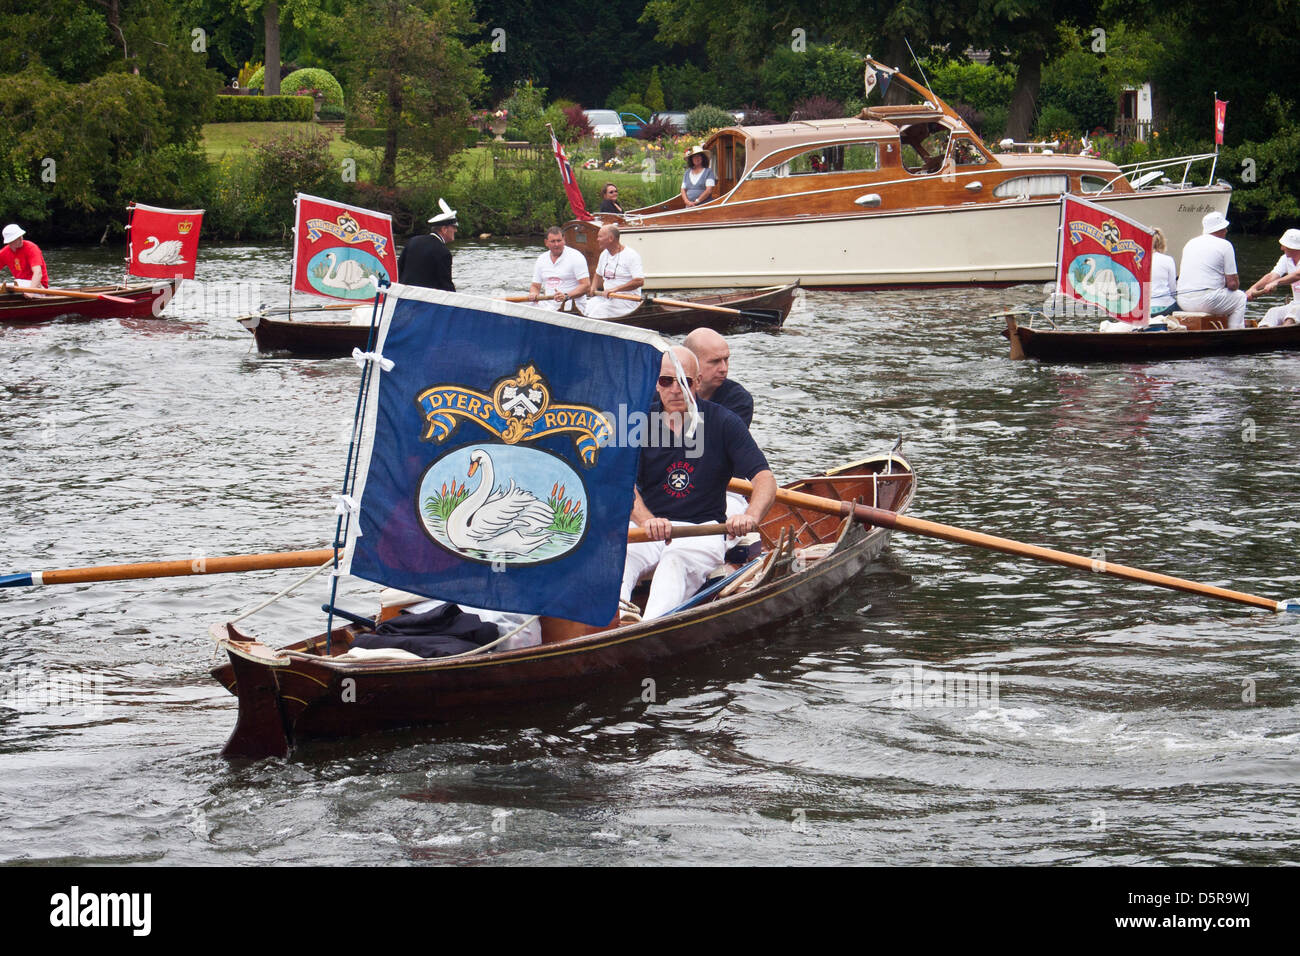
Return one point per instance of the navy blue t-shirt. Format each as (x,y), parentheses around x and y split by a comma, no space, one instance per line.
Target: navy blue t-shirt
(731,394)
(675,485)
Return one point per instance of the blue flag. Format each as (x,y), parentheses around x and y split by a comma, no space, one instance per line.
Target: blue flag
(496,470)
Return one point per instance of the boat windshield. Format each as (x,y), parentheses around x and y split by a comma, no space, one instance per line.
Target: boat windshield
(841,158)
(924,147)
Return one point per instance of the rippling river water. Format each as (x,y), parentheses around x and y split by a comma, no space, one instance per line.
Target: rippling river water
(1131,725)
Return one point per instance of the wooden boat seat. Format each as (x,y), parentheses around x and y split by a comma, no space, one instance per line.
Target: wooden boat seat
(1201,321)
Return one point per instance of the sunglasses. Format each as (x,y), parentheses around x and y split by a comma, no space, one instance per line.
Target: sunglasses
(667,381)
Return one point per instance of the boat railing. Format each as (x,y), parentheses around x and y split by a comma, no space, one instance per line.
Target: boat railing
(1143,174)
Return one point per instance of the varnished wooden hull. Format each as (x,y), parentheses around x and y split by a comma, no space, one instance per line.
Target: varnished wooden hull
(289,696)
(17,308)
(332,339)
(1060,346)
(984,243)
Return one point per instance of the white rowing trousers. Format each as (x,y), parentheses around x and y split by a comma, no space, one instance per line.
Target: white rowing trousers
(1226,302)
(680,569)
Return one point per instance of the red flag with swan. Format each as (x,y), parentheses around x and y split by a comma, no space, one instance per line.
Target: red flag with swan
(341,251)
(1104,259)
(164,243)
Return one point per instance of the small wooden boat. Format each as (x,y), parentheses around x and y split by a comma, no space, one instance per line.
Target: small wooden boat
(290,695)
(16,307)
(319,336)
(1200,337)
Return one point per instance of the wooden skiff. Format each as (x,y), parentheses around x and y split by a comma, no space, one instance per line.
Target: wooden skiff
(16,307)
(1055,345)
(321,337)
(297,693)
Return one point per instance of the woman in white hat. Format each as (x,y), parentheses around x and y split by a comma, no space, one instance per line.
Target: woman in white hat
(1285,273)
(1207,276)
(23,258)
(698,182)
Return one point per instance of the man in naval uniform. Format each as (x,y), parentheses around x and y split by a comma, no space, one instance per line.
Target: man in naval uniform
(426,260)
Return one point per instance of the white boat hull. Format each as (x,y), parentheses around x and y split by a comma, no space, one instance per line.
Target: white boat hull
(995,243)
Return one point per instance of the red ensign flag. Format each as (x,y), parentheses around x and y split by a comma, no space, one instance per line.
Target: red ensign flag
(164,242)
(570,181)
(1220,115)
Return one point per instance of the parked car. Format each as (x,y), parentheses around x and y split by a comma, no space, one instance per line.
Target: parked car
(676,120)
(631,123)
(605,123)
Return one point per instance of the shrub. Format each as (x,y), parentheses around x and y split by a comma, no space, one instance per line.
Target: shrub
(822,70)
(706,118)
(559,122)
(247,73)
(1053,118)
(314,79)
(654,94)
(263,109)
(258,79)
(817,107)
(236,207)
(579,125)
(656,130)
(294,163)
(332,114)
(640,109)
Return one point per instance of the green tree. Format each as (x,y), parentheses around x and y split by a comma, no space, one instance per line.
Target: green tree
(654,94)
(408,58)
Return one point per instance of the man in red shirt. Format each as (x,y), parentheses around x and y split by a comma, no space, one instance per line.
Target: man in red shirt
(23,258)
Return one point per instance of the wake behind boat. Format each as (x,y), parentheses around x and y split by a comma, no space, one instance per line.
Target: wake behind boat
(901,195)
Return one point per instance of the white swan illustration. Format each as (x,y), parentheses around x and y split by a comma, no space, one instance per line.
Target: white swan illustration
(162,254)
(1102,288)
(347,274)
(512,521)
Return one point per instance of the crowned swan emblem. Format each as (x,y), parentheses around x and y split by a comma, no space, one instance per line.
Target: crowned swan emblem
(502,521)
(162,253)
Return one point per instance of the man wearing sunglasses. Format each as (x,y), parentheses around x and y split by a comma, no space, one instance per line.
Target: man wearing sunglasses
(681,481)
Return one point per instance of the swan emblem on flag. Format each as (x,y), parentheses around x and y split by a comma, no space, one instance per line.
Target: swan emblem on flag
(162,253)
(508,517)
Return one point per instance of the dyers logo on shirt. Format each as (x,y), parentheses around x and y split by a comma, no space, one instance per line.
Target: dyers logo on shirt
(679,480)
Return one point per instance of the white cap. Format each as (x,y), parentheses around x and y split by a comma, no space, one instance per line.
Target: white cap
(1213,222)
(1291,239)
(445,218)
(12,232)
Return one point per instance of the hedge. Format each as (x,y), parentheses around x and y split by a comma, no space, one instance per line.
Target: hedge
(312,78)
(264,109)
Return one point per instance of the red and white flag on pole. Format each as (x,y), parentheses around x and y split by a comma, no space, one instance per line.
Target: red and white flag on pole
(341,251)
(570,181)
(1104,260)
(164,242)
(1220,115)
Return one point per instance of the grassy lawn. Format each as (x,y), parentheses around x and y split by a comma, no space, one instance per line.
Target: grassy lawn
(222,138)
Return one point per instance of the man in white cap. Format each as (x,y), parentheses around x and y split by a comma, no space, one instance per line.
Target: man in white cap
(23,258)
(1207,276)
(426,260)
(1286,272)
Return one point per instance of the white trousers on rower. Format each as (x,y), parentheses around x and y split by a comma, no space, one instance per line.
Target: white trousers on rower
(680,569)
(599,307)
(1225,302)
(1279,314)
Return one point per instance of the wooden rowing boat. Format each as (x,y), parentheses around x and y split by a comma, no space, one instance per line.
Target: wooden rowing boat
(319,336)
(1056,345)
(16,307)
(290,695)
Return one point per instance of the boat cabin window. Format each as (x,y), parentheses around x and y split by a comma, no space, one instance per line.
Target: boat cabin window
(924,147)
(1028,186)
(967,154)
(1094,184)
(851,157)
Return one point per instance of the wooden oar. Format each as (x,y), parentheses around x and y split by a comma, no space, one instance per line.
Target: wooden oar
(70,294)
(932,529)
(241,562)
(760,316)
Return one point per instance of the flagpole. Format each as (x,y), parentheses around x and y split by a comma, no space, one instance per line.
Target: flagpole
(126,268)
(1215,165)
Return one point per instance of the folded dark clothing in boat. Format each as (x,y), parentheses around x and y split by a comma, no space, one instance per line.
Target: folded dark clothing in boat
(438,633)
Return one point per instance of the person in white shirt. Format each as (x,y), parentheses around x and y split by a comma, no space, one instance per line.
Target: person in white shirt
(560,274)
(618,270)
(1164,277)
(1286,272)
(1207,278)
